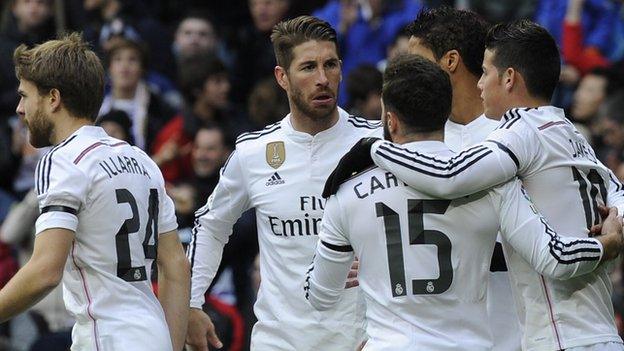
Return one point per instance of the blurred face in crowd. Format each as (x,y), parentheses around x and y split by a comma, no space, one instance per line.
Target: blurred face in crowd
(401,46)
(312,79)
(209,152)
(114,129)
(492,88)
(215,91)
(32,112)
(588,97)
(31,13)
(195,35)
(267,13)
(125,68)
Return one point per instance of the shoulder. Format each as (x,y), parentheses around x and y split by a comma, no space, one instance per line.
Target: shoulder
(258,136)
(362,124)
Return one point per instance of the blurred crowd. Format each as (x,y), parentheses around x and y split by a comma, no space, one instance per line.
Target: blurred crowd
(184,78)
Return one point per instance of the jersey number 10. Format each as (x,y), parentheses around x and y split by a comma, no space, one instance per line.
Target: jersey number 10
(418,235)
(125,270)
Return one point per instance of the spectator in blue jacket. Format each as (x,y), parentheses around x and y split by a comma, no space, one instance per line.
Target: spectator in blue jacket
(365,29)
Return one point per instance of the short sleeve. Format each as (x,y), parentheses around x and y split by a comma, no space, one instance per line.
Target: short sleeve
(61,192)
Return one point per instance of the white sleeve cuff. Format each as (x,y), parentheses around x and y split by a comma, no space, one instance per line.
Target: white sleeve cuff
(56,219)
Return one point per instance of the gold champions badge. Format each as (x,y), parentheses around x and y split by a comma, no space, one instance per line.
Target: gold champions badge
(275,154)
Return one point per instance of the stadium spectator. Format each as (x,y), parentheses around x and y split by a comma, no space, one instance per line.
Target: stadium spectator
(205,84)
(117,124)
(126,63)
(25,22)
(365,29)
(267,103)
(254,59)
(364,90)
(589,29)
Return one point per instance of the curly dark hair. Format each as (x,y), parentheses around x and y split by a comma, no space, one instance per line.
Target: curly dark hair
(418,91)
(445,28)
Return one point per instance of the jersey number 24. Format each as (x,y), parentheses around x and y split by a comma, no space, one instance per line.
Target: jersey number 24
(125,270)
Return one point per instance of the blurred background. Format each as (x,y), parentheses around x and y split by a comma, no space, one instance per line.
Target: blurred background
(185,77)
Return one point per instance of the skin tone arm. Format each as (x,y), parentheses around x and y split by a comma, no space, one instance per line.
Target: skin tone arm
(611,239)
(39,275)
(174,282)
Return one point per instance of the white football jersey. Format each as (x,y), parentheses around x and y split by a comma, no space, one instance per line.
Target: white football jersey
(281,172)
(112,196)
(560,171)
(499,296)
(424,262)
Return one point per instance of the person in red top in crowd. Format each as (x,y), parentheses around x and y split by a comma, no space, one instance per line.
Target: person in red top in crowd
(205,85)
(583,58)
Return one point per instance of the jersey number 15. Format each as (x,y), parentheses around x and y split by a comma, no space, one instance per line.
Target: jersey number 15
(418,235)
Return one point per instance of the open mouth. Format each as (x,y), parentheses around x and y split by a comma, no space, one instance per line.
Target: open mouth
(323,99)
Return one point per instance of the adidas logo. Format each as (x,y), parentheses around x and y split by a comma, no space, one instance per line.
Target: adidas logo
(275,180)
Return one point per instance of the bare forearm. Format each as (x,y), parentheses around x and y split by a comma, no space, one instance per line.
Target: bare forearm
(26,288)
(174,295)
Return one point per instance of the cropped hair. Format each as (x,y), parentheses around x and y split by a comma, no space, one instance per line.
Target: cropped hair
(529,49)
(445,28)
(418,91)
(68,65)
(288,34)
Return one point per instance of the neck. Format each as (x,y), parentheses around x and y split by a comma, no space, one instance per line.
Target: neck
(204,111)
(467,103)
(303,123)
(526,101)
(124,93)
(412,137)
(66,126)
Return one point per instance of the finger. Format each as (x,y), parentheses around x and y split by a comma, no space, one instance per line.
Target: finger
(604,211)
(213,339)
(352,274)
(355,265)
(595,230)
(352,284)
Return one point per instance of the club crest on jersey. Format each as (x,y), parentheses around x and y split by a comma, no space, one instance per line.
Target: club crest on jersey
(275,154)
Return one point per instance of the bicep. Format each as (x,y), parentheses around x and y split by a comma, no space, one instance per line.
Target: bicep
(51,249)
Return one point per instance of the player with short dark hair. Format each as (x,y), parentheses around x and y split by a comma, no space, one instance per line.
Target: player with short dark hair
(423,260)
(280,171)
(536,142)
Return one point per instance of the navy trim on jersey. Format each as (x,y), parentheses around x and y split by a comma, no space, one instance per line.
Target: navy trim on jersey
(618,185)
(227,161)
(306,285)
(498,264)
(255,135)
(463,159)
(578,247)
(469,152)
(193,243)
(360,122)
(58,208)
(510,118)
(43,175)
(509,152)
(339,248)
